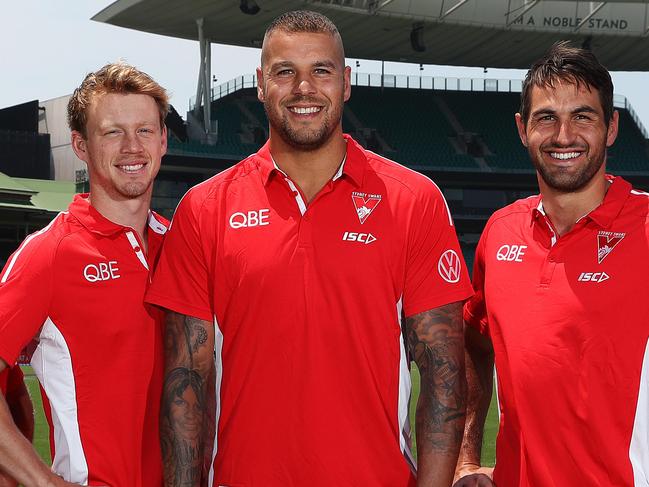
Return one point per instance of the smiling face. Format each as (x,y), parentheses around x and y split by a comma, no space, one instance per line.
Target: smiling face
(303,84)
(566,135)
(186,414)
(124,145)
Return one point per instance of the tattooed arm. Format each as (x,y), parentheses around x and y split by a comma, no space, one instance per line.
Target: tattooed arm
(189,348)
(479,374)
(435,340)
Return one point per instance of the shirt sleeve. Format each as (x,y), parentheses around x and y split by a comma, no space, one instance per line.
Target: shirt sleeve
(475,309)
(181,278)
(25,294)
(436,273)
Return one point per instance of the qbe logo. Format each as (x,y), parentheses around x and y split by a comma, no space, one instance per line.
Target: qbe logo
(252,218)
(103,271)
(511,253)
(449,266)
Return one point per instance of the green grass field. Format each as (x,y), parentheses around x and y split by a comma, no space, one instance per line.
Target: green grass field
(41,432)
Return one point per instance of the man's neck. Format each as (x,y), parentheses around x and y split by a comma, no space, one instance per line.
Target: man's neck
(310,170)
(565,209)
(128,212)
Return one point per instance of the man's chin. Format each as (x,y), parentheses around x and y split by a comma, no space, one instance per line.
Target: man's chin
(306,141)
(566,183)
(133,190)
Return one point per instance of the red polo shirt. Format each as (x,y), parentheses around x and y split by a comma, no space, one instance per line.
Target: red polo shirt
(78,286)
(569,321)
(312,376)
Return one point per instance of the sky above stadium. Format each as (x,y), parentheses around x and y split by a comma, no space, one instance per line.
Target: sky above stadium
(48,47)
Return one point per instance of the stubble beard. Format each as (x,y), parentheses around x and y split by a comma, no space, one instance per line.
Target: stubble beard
(303,139)
(133,190)
(561,179)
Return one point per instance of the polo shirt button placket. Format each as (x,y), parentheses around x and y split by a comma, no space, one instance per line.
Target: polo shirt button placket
(304,228)
(547,272)
(134,240)
(305,233)
(549,263)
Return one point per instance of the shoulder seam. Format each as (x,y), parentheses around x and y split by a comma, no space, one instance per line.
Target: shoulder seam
(385,160)
(55,252)
(25,243)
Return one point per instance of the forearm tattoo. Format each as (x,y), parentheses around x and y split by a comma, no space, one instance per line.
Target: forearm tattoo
(436,343)
(188,362)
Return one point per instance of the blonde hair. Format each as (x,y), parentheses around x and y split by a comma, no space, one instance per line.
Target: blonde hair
(117,77)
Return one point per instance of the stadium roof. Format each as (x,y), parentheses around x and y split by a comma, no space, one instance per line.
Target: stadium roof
(35,195)
(489,33)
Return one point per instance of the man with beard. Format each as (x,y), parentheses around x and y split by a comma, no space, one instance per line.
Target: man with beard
(294,269)
(77,287)
(561,300)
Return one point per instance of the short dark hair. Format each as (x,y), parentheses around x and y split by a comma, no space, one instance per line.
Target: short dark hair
(573,65)
(119,78)
(299,21)
(302,21)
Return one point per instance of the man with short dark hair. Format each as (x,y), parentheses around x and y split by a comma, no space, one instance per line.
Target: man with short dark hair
(295,269)
(561,300)
(77,287)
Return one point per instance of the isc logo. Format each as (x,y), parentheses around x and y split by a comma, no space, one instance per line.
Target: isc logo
(366,238)
(593,277)
(511,253)
(103,271)
(252,218)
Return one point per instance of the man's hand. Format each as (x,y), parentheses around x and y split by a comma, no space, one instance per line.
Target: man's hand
(471,475)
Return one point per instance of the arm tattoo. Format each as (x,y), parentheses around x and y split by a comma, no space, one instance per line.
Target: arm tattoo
(479,357)
(189,346)
(436,343)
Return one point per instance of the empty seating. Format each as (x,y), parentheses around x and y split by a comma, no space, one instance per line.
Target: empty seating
(409,126)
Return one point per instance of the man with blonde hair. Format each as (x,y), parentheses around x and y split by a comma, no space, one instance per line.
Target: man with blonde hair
(77,286)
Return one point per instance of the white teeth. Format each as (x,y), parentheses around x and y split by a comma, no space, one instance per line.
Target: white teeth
(564,155)
(133,168)
(304,111)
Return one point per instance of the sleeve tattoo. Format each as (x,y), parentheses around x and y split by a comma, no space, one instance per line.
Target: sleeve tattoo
(436,343)
(189,347)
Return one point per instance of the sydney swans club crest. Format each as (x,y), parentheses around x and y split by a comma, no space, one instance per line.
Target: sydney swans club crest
(365,204)
(606,242)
